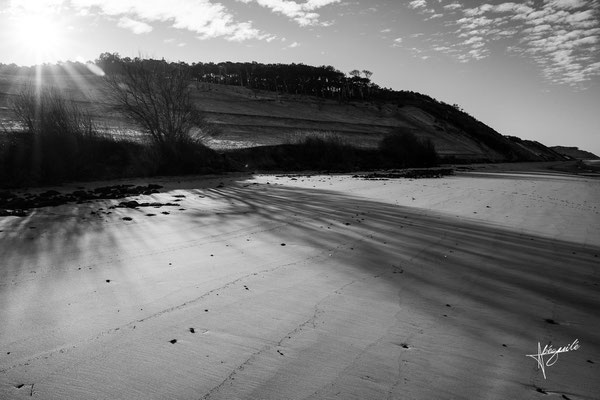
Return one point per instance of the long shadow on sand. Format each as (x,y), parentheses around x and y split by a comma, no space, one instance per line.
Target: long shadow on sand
(479,279)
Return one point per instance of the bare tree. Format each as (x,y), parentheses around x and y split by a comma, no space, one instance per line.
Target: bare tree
(367,73)
(355,73)
(157,97)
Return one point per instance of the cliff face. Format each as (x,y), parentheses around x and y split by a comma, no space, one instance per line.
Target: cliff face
(574,153)
(250,117)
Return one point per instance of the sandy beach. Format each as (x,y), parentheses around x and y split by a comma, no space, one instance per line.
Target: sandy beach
(308,287)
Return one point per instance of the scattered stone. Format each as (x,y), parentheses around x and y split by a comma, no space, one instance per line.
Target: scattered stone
(14,205)
(13,213)
(173,341)
(129,204)
(127,219)
(409,173)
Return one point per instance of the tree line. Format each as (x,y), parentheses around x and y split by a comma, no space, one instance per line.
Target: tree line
(300,79)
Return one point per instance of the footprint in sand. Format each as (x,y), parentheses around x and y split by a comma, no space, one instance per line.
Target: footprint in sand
(21,385)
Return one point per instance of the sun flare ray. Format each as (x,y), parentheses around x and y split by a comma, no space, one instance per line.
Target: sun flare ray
(40,37)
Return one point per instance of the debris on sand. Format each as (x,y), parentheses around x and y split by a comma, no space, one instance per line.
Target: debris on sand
(12,204)
(408,173)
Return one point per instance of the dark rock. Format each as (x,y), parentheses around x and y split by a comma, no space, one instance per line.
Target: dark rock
(49,193)
(129,204)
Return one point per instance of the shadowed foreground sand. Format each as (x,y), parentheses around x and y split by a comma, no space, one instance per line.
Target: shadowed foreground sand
(302,287)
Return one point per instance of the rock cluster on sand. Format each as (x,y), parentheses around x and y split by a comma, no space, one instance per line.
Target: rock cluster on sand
(409,173)
(12,204)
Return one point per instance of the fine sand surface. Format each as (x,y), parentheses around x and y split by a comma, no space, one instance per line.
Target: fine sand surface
(308,287)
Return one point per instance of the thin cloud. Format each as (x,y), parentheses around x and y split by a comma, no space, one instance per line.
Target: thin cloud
(417,4)
(567,4)
(421,7)
(434,16)
(291,46)
(134,26)
(302,13)
(204,18)
(562,37)
(452,6)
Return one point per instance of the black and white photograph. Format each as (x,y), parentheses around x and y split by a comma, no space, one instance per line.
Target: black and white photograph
(299,199)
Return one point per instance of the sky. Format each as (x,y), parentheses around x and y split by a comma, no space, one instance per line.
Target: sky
(529,69)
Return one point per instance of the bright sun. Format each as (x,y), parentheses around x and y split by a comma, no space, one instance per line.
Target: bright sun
(39,36)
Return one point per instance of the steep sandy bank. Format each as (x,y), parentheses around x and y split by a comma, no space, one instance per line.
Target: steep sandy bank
(307,287)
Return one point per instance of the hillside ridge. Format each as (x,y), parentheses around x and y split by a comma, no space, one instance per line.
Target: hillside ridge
(255,104)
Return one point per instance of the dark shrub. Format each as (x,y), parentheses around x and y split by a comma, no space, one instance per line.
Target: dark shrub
(59,141)
(403,149)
